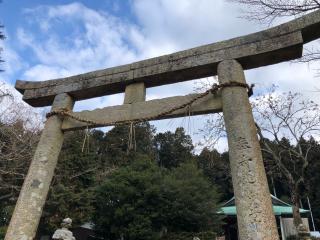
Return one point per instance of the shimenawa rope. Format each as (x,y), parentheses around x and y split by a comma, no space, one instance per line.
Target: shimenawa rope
(215,87)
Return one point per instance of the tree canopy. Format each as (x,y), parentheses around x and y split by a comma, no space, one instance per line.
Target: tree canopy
(143,201)
(173,148)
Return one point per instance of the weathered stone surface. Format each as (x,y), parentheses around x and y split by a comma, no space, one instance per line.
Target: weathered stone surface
(127,112)
(256,220)
(135,92)
(28,210)
(271,46)
(179,67)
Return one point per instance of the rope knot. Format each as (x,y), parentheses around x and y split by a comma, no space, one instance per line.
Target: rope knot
(59,112)
(234,84)
(238,84)
(215,87)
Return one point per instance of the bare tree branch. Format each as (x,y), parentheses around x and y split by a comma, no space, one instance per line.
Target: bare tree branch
(267,11)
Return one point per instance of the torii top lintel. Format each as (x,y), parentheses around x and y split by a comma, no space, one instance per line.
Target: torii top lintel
(274,45)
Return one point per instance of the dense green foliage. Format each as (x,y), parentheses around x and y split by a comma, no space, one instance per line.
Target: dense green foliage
(84,164)
(173,148)
(142,201)
(216,167)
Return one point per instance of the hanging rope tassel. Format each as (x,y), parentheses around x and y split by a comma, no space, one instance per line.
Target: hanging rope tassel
(132,144)
(134,139)
(189,119)
(86,140)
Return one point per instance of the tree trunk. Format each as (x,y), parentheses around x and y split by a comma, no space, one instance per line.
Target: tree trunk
(302,230)
(295,208)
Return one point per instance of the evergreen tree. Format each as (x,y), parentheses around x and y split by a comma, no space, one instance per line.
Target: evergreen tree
(313,177)
(216,167)
(113,148)
(86,159)
(173,149)
(143,201)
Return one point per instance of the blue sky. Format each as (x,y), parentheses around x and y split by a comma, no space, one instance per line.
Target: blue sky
(12,11)
(51,39)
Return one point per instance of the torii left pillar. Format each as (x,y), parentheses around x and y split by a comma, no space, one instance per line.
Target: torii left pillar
(28,210)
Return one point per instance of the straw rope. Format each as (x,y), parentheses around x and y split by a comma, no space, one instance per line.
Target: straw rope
(63,112)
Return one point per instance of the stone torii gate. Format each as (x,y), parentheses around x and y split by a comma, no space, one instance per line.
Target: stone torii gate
(227,59)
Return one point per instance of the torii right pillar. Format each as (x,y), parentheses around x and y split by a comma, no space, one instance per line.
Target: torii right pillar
(256,220)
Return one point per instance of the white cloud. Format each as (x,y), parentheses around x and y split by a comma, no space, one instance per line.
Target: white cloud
(103,41)
(186,24)
(96,39)
(12,61)
(41,72)
(287,76)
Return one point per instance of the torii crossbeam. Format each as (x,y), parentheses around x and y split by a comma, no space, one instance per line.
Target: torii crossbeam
(227,59)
